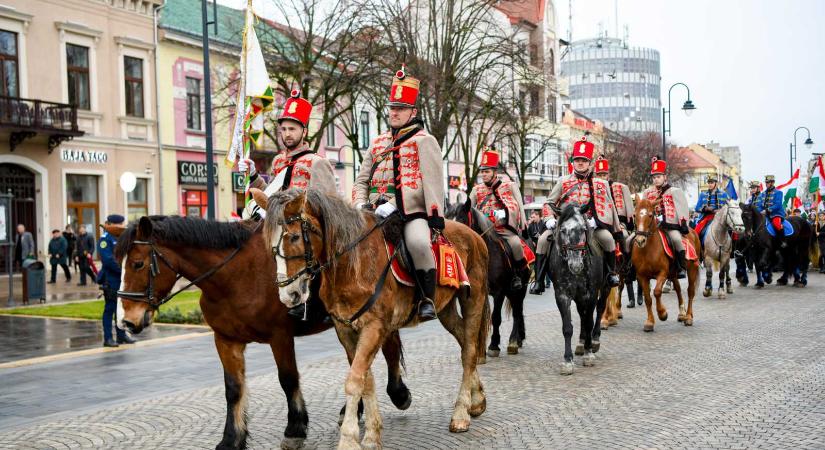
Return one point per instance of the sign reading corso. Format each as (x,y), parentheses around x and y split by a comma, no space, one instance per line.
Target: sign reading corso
(238,184)
(190,172)
(83,156)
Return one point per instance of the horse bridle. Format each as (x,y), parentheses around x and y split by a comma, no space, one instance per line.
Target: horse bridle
(312,267)
(149,296)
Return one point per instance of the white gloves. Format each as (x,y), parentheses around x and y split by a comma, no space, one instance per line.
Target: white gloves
(591,222)
(359,205)
(385,209)
(499,214)
(659,218)
(550,224)
(247,165)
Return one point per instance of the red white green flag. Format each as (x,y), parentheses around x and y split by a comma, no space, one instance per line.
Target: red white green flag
(790,190)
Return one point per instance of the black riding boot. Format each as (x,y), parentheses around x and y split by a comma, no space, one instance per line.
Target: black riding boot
(612,276)
(631,300)
(538,271)
(517,284)
(426,306)
(681,264)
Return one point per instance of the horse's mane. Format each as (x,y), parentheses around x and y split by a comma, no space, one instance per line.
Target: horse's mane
(568,212)
(189,231)
(341,223)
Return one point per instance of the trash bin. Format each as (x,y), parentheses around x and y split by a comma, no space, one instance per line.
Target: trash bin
(34,281)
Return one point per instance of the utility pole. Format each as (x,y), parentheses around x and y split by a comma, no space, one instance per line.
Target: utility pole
(207,91)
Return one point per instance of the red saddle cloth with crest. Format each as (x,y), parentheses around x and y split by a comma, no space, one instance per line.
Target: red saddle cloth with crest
(690,250)
(449,267)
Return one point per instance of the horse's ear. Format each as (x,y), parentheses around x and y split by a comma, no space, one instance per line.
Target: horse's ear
(144,228)
(259,197)
(296,205)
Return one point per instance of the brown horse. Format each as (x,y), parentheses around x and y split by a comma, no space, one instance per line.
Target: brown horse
(234,269)
(323,236)
(651,262)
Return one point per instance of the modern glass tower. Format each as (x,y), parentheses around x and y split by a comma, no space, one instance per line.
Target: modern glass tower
(615,84)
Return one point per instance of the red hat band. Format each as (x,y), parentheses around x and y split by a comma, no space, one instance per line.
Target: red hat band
(658,167)
(489,160)
(297,109)
(602,165)
(583,149)
(404,90)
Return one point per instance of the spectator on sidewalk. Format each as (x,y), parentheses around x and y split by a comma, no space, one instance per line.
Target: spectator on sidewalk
(535,227)
(23,245)
(85,248)
(71,240)
(109,280)
(58,249)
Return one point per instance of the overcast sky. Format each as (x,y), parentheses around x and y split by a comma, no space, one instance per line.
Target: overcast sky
(756,68)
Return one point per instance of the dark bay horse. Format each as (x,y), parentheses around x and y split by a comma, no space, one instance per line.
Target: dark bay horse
(766,249)
(234,269)
(578,274)
(651,262)
(324,237)
(499,274)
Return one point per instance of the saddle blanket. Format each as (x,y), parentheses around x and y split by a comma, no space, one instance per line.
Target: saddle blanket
(786,226)
(690,250)
(449,267)
(528,253)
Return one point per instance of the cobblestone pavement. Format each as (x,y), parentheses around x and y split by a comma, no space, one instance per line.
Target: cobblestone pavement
(749,374)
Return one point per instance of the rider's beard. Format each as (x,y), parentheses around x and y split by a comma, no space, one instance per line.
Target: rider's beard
(292,145)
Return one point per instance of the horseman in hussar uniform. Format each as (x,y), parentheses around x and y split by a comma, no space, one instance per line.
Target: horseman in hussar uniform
(402,172)
(500,200)
(297,166)
(769,203)
(709,202)
(755,190)
(672,211)
(581,188)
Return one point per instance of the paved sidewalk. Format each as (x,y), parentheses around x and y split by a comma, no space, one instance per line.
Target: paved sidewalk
(749,374)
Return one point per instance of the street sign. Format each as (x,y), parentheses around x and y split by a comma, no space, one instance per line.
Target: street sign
(238,184)
(194,173)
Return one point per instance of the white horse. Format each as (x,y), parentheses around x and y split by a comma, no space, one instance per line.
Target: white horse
(718,246)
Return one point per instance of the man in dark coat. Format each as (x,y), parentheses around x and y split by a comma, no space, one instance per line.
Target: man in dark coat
(23,245)
(71,240)
(58,248)
(85,247)
(109,280)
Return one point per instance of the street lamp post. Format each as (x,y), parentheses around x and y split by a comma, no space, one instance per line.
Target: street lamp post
(207,91)
(687,107)
(792,150)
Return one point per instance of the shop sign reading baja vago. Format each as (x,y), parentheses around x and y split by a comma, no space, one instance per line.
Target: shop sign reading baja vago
(83,156)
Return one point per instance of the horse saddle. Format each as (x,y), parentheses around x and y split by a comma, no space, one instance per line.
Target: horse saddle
(787,227)
(690,250)
(449,267)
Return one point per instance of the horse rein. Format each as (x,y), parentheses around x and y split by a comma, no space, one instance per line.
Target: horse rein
(148,296)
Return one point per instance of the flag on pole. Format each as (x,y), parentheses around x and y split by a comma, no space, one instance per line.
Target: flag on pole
(731,190)
(817,185)
(790,189)
(254,95)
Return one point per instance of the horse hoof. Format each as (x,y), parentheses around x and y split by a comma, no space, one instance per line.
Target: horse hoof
(482,360)
(493,352)
(663,316)
(566,368)
(722,295)
(680,317)
(588,360)
(729,290)
(621,316)
(648,327)
(688,322)
(477,410)
(459,426)
(604,325)
(614,322)
(512,348)
(596,345)
(579,349)
(292,443)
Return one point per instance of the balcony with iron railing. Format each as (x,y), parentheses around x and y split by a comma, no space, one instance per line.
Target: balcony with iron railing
(26,118)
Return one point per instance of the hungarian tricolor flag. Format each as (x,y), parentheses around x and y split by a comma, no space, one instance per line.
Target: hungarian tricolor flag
(817,185)
(254,95)
(790,190)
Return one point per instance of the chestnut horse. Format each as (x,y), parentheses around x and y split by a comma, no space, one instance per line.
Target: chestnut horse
(234,269)
(323,236)
(651,262)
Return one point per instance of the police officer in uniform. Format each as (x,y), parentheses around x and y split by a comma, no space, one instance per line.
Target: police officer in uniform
(109,280)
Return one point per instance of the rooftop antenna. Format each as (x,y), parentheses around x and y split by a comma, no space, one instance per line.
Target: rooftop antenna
(616,11)
(570,21)
(626,36)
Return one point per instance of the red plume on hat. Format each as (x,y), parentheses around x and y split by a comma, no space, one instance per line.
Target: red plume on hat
(296,108)
(404,89)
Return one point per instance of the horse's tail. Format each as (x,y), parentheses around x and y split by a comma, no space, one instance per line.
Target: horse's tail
(486,325)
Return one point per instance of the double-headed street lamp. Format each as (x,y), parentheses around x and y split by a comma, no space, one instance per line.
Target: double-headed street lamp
(792,151)
(687,107)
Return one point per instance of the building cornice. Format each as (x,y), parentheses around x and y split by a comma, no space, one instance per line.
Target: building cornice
(134,43)
(78,28)
(12,13)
